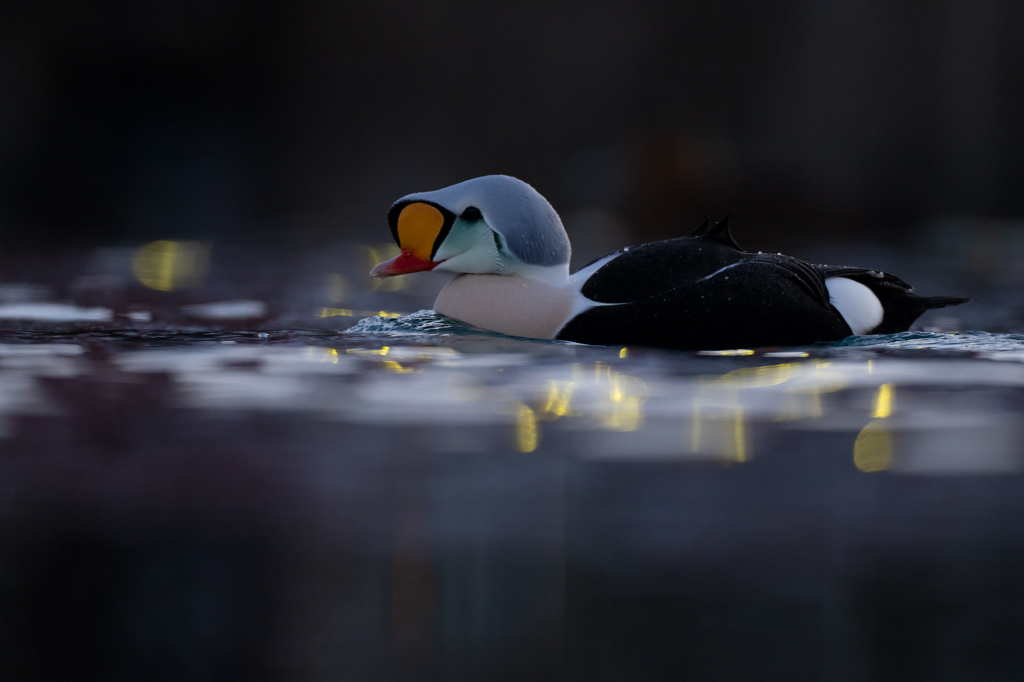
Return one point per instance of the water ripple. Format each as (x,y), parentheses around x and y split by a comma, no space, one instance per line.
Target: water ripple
(940,341)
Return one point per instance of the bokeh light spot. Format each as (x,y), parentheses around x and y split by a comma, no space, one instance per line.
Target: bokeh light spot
(168,265)
(335,312)
(377,254)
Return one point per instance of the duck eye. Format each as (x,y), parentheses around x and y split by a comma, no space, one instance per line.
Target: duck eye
(471,214)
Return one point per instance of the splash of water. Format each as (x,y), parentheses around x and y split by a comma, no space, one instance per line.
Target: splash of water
(421,323)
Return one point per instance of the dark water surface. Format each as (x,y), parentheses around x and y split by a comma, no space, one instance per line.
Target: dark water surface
(411,499)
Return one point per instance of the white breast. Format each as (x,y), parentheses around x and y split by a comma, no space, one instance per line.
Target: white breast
(856,303)
(508,304)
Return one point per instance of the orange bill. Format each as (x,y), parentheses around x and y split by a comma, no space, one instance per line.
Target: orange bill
(418,227)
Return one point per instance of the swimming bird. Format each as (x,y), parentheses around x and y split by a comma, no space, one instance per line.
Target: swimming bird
(511,255)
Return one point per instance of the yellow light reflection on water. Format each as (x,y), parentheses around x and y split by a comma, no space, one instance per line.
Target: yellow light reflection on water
(801,401)
(360,351)
(872,451)
(559,399)
(816,410)
(392,366)
(883,402)
(728,353)
(626,393)
(527,436)
(346,312)
(168,265)
(624,353)
(739,436)
(724,435)
(724,432)
(768,375)
(335,312)
(616,403)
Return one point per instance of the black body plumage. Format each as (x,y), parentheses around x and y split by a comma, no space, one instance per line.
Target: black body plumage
(704,292)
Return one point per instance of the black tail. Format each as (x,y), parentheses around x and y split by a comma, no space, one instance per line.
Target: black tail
(931,302)
(901,305)
(903,308)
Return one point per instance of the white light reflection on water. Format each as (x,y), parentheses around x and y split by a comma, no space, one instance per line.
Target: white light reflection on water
(54,312)
(22,367)
(227,310)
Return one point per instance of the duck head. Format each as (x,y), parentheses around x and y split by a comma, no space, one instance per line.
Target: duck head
(493,224)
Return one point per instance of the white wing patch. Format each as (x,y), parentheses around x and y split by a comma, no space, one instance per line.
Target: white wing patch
(856,303)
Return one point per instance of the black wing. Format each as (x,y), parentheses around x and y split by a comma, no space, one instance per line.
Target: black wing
(687,296)
(651,269)
(656,267)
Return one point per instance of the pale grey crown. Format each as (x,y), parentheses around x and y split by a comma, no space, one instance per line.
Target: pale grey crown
(527,223)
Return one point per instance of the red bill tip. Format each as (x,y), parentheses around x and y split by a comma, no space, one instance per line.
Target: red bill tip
(402,264)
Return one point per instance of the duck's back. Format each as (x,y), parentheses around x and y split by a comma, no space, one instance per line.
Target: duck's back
(705,292)
(693,293)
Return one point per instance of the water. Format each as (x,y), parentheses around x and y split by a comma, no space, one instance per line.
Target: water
(977,342)
(415,499)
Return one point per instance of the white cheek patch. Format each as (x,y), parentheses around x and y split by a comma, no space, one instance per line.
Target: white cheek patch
(856,303)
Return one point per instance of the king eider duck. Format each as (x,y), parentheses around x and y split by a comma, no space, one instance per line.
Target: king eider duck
(511,254)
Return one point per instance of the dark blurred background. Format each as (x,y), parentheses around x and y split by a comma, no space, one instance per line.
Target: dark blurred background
(273,137)
(301,121)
